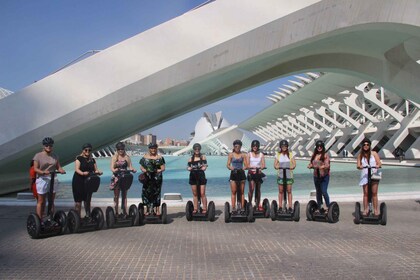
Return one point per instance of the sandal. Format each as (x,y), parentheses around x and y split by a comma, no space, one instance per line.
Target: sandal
(195,211)
(204,211)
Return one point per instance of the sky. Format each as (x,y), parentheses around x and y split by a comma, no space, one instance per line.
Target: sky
(39,37)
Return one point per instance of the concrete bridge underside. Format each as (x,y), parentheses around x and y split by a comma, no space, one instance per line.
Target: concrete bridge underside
(203,56)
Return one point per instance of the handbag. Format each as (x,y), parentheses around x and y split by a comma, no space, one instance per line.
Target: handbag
(376,175)
(143,178)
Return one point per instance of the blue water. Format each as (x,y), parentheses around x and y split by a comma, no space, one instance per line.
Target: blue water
(344,179)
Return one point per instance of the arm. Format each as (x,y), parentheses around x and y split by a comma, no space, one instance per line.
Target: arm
(262,161)
(162,167)
(377,159)
(113,165)
(97,171)
(59,168)
(204,166)
(359,162)
(77,169)
(142,167)
(276,163)
(229,161)
(246,161)
(130,166)
(292,163)
(189,165)
(37,170)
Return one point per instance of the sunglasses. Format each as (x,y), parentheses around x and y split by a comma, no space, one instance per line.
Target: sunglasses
(121,149)
(366,144)
(87,150)
(48,146)
(197,150)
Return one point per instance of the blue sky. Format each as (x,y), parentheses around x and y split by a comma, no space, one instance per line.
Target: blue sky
(39,37)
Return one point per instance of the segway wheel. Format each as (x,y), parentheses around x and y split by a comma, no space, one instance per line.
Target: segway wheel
(141,214)
(383,213)
(33,225)
(134,214)
(310,209)
(250,214)
(164,214)
(227,212)
(296,211)
(61,219)
(98,217)
(357,214)
(211,211)
(273,212)
(266,206)
(73,221)
(188,210)
(110,217)
(333,212)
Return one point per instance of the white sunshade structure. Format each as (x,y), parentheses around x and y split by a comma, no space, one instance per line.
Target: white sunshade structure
(341,110)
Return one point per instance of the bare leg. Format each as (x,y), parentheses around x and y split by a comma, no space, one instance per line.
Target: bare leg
(281,196)
(203,197)
(40,205)
(289,195)
(78,207)
(195,198)
(375,197)
(233,194)
(365,199)
(116,198)
(251,190)
(242,194)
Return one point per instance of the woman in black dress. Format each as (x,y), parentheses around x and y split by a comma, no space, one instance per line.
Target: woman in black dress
(85,164)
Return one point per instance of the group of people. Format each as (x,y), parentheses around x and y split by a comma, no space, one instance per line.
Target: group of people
(152,166)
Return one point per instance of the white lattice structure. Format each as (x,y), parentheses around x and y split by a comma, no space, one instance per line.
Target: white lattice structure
(342,111)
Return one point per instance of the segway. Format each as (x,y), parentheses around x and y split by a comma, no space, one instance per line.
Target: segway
(50,225)
(284,214)
(265,213)
(245,214)
(370,218)
(150,216)
(315,213)
(92,221)
(125,179)
(199,215)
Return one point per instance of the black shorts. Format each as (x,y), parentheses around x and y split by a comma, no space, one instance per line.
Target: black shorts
(256,177)
(237,175)
(198,178)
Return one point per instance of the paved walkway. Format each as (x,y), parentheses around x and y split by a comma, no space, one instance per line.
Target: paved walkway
(204,250)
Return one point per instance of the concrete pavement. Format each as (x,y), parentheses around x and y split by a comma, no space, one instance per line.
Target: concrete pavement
(204,250)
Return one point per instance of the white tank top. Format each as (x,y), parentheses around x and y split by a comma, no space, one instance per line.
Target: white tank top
(255,161)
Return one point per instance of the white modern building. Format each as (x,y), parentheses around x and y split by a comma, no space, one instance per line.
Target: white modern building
(342,111)
(215,135)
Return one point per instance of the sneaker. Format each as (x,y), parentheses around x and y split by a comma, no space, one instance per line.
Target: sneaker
(280,209)
(290,210)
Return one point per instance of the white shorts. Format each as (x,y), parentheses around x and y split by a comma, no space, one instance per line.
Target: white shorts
(43,184)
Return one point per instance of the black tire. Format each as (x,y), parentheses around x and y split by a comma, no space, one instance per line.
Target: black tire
(357,213)
(134,214)
(310,209)
(33,225)
(73,221)
(211,211)
(98,217)
(383,213)
(333,212)
(164,214)
(273,212)
(250,214)
(227,212)
(296,211)
(61,219)
(188,210)
(266,206)
(141,214)
(110,217)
